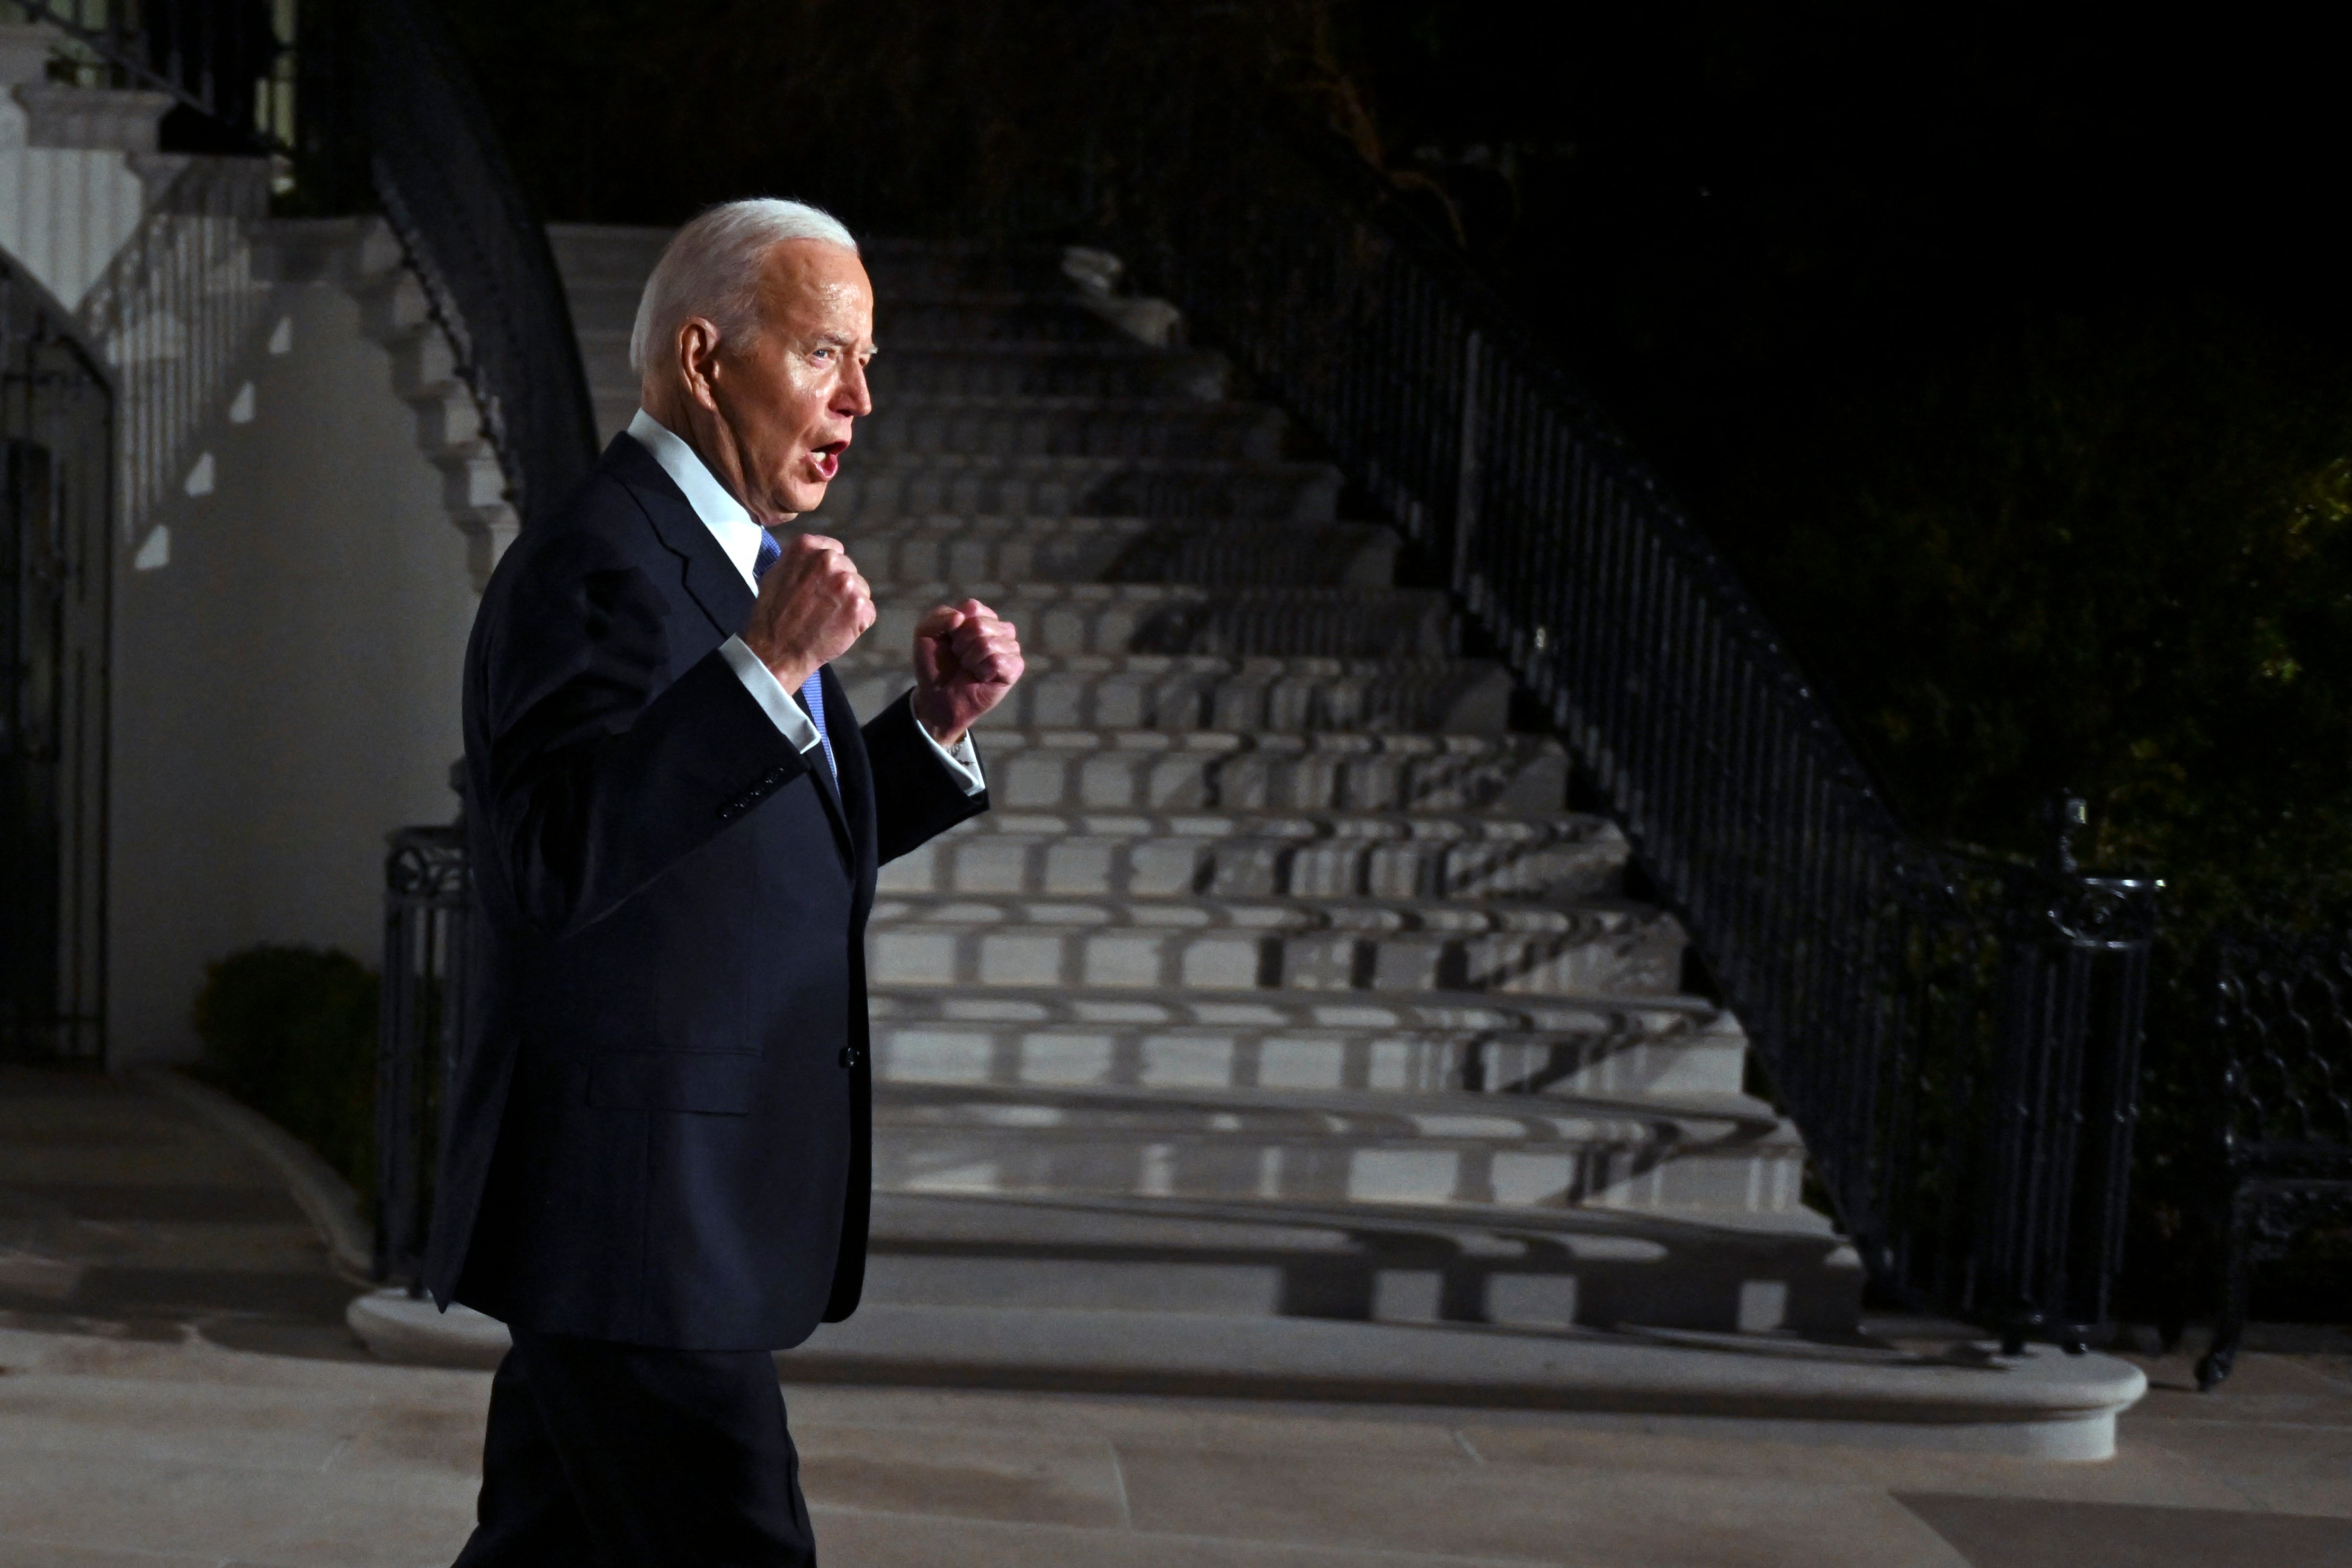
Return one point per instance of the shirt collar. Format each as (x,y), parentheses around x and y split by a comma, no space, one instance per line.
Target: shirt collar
(721,513)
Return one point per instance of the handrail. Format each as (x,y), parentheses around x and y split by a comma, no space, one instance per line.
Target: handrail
(1941,1028)
(175,312)
(481,254)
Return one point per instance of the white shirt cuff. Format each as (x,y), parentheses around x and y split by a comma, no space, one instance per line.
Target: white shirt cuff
(768,692)
(961,758)
(788,717)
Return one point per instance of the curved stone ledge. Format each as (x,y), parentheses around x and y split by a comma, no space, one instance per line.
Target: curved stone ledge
(2045,1404)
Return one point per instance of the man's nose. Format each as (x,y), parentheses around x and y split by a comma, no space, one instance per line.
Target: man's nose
(853,397)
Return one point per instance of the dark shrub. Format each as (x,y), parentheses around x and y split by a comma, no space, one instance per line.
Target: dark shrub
(290,1031)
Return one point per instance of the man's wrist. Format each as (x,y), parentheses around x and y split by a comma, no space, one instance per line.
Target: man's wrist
(792,672)
(938,729)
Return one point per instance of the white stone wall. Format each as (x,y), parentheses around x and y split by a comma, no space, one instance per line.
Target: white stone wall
(291,615)
(286,657)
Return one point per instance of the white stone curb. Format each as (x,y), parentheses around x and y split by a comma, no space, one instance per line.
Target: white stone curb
(2044,1404)
(321,1191)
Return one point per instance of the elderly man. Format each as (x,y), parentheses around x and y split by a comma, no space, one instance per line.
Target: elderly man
(657,1163)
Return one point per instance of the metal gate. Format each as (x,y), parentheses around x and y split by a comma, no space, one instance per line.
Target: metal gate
(55,469)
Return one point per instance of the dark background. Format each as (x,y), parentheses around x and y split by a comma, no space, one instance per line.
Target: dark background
(2005,352)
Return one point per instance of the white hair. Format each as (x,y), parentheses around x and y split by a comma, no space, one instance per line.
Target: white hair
(711,268)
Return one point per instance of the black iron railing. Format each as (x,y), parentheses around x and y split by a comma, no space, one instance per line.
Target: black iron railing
(420,1035)
(2279,1029)
(1957,1037)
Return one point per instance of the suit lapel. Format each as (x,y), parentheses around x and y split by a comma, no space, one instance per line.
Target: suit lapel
(714,582)
(718,586)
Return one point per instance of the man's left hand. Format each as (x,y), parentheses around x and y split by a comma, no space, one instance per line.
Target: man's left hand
(965,662)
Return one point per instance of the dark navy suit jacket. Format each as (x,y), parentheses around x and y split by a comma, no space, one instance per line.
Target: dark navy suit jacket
(660,1129)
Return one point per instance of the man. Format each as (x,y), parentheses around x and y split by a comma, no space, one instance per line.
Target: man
(658,1159)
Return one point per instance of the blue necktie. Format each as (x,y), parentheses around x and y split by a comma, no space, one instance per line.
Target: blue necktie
(812,688)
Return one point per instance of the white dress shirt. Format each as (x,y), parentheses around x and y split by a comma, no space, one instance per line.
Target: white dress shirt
(738,536)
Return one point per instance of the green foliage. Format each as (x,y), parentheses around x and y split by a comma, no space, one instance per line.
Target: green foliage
(2114,554)
(291,1032)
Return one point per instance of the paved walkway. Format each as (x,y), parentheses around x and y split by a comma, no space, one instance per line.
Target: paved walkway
(175,1389)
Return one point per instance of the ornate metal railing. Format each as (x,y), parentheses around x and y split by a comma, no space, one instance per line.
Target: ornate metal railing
(1957,1037)
(2279,1029)
(175,312)
(420,1035)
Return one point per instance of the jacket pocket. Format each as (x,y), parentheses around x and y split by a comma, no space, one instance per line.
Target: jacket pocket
(715,1083)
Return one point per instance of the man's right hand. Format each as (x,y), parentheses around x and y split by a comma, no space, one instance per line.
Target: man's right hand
(812,606)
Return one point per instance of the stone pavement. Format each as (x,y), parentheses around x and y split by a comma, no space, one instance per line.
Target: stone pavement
(176,1387)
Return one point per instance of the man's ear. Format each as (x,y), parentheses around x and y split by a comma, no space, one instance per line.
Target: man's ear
(697,359)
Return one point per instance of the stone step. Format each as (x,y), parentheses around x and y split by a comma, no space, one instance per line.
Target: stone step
(1045,317)
(605,267)
(1075,426)
(1397,1014)
(1061,549)
(1114,368)
(900,267)
(1442,1043)
(1096,770)
(992,317)
(606,252)
(1905,1384)
(884,487)
(1182,618)
(1565,858)
(1117,367)
(1192,691)
(1261,1260)
(1729,1157)
(1372,918)
(1291,946)
(589,254)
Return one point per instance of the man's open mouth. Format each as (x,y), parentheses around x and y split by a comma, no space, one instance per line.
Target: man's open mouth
(827,458)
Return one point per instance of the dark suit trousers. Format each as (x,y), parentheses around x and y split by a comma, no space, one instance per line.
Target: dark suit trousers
(632,1457)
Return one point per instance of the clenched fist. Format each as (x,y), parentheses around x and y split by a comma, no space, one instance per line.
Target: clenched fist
(812,606)
(965,662)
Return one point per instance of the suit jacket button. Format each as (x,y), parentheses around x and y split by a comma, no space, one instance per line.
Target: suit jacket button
(851,1056)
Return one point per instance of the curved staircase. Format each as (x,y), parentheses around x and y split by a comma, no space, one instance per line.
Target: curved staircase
(1279,981)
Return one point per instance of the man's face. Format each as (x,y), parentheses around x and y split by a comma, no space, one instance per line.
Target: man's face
(789,396)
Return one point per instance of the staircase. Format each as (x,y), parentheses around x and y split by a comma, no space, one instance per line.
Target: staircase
(1279,981)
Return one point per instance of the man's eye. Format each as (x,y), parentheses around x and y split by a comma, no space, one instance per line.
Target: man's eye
(824,354)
